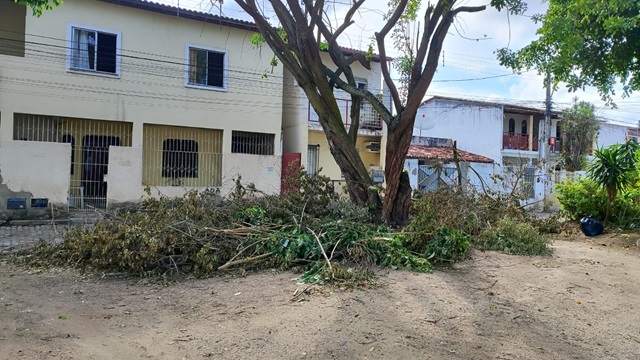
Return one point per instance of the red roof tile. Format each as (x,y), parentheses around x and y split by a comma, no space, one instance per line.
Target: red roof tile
(443,154)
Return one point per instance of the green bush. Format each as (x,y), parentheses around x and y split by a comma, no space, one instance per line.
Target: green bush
(582,198)
(514,238)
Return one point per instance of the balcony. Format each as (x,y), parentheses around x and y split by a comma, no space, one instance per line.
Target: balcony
(515,141)
(369,118)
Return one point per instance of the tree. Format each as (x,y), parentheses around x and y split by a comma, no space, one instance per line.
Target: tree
(578,128)
(37,6)
(303,27)
(585,43)
(301,30)
(614,169)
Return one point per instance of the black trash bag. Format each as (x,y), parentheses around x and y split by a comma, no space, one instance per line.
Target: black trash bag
(590,226)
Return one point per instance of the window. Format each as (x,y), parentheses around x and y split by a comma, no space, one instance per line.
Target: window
(512,126)
(69,139)
(558,133)
(313,157)
(206,68)
(252,143)
(524,127)
(12,28)
(179,158)
(94,50)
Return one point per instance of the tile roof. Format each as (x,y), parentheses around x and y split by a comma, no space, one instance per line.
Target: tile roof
(207,17)
(443,154)
(185,13)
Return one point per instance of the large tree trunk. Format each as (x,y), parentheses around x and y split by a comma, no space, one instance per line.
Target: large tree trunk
(397,198)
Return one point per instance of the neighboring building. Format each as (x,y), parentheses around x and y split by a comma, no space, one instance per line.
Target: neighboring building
(101,98)
(303,134)
(507,134)
(431,163)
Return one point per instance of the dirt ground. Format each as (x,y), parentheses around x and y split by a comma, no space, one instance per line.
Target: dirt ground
(582,303)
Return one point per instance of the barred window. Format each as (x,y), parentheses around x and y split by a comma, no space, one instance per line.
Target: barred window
(179,158)
(243,142)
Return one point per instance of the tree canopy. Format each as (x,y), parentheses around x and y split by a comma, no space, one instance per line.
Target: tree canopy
(579,127)
(585,43)
(38,6)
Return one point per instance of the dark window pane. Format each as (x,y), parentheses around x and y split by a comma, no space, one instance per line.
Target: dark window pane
(243,142)
(179,158)
(107,52)
(215,66)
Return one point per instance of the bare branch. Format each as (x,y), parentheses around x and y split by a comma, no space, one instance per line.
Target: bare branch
(372,99)
(380,36)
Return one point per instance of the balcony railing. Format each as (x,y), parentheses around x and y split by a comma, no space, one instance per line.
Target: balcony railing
(369,118)
(514,141)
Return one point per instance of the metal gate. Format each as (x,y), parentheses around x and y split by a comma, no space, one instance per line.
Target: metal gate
(432,178)
(90,141)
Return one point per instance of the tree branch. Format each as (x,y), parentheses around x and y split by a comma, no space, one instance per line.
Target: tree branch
(372,99)
(380,37)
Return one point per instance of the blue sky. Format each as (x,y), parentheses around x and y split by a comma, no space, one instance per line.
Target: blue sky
(468,56)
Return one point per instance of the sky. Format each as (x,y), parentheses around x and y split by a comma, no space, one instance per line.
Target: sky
(468,67)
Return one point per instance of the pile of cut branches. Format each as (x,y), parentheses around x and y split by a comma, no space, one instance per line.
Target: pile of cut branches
(199,234)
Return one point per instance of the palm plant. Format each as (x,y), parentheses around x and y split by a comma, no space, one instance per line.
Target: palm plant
(614,169)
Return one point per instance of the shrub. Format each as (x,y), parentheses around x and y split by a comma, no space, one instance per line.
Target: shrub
(514,238)
(581,198)
(584,197)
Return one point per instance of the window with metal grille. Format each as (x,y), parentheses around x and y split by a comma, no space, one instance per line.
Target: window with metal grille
(313,158)
(179,158)
(206,67)
(243,142)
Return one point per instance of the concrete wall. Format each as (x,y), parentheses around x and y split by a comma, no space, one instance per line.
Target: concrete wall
(611,134)
(124,181)
(327,163)
(477,128)
(34,170)
(484,181)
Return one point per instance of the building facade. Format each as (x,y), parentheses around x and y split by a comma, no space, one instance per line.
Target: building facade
(303,134)
(100,99)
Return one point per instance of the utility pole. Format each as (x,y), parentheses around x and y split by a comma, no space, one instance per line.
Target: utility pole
(546,129)
(544,143)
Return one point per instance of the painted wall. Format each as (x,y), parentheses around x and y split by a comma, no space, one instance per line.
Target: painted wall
(477,128)
(611,134)
(327,163)
(32,169)
(149,90)
(124,182)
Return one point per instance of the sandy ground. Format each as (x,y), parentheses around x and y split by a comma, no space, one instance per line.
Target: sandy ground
(582,303)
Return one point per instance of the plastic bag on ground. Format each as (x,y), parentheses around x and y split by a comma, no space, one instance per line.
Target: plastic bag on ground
(591,226)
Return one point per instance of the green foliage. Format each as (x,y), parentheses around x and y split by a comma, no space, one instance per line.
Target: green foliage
(585,43)
(581,198)
(585,197)
(447,245)
(517,238)
(615,169)
(38,6)
(579,128)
